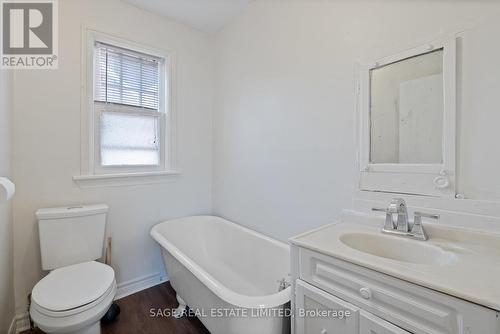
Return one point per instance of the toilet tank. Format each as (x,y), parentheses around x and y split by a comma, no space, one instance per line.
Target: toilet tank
(70,235)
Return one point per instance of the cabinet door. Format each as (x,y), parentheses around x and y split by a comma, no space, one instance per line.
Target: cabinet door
(371,324)
(318,312)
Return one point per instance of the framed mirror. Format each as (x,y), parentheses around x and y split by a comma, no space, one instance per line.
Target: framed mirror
(407,121)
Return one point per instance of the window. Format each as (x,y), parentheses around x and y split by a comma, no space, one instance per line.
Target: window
(127,104)
(127,117)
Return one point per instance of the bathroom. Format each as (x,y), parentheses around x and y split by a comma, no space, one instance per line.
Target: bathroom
(263,124)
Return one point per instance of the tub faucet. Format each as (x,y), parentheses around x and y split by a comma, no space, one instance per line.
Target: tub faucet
(283,284)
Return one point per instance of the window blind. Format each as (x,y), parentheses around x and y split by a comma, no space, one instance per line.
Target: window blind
(126,77)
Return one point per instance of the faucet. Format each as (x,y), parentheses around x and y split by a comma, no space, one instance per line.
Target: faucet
(398,206)
(402,226)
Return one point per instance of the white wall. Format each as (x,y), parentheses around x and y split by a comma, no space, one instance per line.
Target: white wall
(478,116)
(285,108)
(6,251)
(47,142)
(284,120)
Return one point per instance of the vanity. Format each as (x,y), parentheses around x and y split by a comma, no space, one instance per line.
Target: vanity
(380,283)
(380,270)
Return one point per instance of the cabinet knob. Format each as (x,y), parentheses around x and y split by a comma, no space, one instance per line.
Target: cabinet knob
(323,331)
(366,293)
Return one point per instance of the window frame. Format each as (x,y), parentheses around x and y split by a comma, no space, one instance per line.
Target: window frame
(91,167)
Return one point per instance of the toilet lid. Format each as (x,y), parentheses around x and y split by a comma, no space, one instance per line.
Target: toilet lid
(73,286)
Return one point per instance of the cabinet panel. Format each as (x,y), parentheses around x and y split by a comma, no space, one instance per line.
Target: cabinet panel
(318,312)
(412,307)
(370,324)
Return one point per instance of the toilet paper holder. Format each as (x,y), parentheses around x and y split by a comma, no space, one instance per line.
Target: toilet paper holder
(7,189)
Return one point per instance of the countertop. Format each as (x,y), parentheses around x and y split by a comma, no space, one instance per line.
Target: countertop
(472,273)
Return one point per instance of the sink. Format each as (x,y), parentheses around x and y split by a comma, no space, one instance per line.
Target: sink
(449,262)
(398,248)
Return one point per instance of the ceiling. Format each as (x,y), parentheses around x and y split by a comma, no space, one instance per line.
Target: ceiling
(206,15)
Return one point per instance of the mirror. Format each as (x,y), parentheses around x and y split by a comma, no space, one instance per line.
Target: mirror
(407,121)
(407,111)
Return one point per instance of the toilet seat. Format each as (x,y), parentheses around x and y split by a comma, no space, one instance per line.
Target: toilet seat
(68,313)
(72,287)
(91,286)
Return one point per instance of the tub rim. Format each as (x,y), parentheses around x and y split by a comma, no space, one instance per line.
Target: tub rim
(218,288)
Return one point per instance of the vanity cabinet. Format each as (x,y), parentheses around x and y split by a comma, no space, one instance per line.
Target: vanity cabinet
(370,324)
(324,313)
(377,303)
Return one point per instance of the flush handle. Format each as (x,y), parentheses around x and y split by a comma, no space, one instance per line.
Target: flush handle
(366,293)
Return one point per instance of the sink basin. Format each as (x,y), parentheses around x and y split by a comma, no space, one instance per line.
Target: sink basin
(398,248)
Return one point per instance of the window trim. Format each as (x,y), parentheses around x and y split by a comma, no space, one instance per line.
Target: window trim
(90,166)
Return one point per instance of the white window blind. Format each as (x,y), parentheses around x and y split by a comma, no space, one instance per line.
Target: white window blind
(126,77)
(127,104)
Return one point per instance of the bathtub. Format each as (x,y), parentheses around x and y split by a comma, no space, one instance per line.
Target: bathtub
(228,275)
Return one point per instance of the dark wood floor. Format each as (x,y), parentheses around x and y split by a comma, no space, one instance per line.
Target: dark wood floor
(135,316)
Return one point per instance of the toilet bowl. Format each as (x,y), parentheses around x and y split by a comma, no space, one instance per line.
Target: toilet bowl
(73,299)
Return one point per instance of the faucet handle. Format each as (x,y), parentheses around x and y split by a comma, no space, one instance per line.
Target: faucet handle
(389,222)
(426,215)
(417,228)
(379,210)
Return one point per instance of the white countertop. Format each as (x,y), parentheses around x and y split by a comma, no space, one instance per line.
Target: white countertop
(473,275)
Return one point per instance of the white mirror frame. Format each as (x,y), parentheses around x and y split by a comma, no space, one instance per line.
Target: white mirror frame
(420,179)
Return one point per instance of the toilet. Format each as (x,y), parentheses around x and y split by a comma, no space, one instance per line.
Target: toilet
(78,290)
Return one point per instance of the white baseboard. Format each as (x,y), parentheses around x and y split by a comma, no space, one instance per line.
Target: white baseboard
(138,284)
(21,321)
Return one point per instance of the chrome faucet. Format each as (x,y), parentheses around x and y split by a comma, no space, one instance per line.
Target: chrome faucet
(402,226)
(398,207)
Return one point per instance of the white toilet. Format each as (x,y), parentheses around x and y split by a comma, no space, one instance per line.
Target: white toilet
(78,291)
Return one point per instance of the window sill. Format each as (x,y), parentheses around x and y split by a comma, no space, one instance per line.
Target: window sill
(125,179)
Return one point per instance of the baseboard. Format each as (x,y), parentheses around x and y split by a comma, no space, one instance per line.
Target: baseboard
(138,284)
(22,322)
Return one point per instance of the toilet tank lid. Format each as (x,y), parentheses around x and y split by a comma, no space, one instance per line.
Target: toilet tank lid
(71,211)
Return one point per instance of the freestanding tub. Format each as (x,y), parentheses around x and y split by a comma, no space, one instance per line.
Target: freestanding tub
(228,275)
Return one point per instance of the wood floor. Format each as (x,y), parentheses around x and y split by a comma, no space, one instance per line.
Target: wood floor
(135,316)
